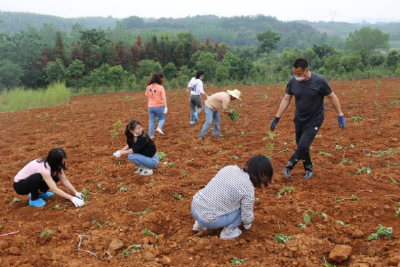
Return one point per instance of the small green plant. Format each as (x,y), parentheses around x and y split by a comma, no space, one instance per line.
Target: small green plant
(99,186)
(1,228)
(141,212)
(324,215)
(15,200)
(383,153)
(234,115)
(270,148)
(395,102)
(115,132)
(87,194)
(237,261)
(179,197)
(147,231)
(127,98)
(352,198)
(265,96)
(206,144)
(59,207)
(169,164)
(94,222)
(324,153)
(339,222)
(326,263)
(46,234)
(235,157)
(308,216)
(302,225)
(161,156)
(345,160)
(123,189)
(285,190)
(282,238)
(381,231)
(131,249)
(243,134)
(398,211)
(364,169)
(357,119)
(341,94)
(393,181)
(185,174)
(338,147)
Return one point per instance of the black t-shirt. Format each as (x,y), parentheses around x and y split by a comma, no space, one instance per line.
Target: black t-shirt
(309,97)
(142,146)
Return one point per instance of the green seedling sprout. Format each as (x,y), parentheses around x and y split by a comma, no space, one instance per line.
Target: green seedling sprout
(237,261)
(357,119)
(141,212)
(282,238)
(131,249)
(46,233)
(235,157)
(398,211)
(285,190)
(308,216)
(353,198)
(58,207)
(326,263)
(94,222)
(345,160)
(115,132)
(381,231)
(185,174)
(302,225)
(15,199)
(234,115)
(392,180)
(364,169)
(324,215)
(161,156)
(123,189)
(169,164)
(179,197)
(87,194)
(324,153)
(147,231)
(1,228)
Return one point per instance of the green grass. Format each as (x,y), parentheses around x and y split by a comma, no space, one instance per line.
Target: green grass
(20,99)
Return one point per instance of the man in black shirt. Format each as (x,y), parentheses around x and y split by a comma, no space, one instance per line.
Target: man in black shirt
(309,90)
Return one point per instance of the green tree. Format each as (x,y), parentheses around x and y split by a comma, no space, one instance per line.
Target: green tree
(55,71)
(117,76)
(132,22)
(222,72)
(392,60)
(367,39)
(352,61)
(148,67)
(74,73)
(10,74)
(208,64)
(323,50)
(170,71)
(269,40)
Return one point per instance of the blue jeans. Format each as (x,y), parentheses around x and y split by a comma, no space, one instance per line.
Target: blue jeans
(153,113)
(140,160)
(210,116)
(230,220)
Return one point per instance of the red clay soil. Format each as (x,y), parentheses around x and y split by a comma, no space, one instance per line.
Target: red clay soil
(83,128)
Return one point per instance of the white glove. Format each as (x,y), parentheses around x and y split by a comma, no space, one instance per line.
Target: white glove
(247,226)
(117,154)
(77,202)
(165,110)
(79,195)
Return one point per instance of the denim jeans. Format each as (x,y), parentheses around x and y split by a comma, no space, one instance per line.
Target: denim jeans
(140,160)
(153,113)
(211,116)
(230,220)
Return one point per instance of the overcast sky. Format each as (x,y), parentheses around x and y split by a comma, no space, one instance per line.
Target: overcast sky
(312,10)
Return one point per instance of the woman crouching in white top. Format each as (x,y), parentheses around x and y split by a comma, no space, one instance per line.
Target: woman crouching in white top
(42,174)
(228,199)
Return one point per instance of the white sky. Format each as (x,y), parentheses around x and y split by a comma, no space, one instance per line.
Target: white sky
(312,10)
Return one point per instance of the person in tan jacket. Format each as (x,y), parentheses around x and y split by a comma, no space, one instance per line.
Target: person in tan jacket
(213,105)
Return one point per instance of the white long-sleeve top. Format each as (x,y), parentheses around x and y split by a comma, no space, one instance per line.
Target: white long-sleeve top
(229,190)
(197,86)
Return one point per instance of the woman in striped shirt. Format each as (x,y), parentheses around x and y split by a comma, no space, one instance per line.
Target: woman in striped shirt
(228,199)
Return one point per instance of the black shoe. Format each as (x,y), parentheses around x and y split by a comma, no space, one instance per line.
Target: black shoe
(308,175)
(286,172)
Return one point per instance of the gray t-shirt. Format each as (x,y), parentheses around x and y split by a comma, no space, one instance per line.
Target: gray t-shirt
(309,97)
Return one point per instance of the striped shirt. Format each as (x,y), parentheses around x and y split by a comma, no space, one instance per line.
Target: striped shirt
(229,190)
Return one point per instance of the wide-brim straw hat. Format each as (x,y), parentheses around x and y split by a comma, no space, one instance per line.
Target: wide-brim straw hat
(235,93)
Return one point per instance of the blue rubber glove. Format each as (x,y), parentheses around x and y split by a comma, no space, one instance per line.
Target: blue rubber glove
(274,123)
(341,121)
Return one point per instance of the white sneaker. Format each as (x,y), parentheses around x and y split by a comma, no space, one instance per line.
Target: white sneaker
(139,170)
(159,130)
(147,172)
(227,234)
(198,227)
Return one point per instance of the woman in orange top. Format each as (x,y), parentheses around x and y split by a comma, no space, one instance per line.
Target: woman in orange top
(156,102)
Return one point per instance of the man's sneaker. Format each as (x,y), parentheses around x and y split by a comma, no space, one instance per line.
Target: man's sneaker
(159,130)
(308,175)
(201,138)
(44,195)
(37,203)
(192,122)
(230,234)
(219,135)
(196,116)
(146,172)
(139,170)
(286,172)
(198,227)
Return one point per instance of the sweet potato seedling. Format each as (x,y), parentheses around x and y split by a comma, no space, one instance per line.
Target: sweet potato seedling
(302,225)
(94,222)
(282,238)
(398,211)
(115,132)
(185,174)
(353,198)
(46,234)
(179,197)
(309,215)
(235,157)
(123,189)
(131,249)
(139,213)
(357,119)
(15,199)
(1,228)
(237,261)
(364,169)
(285,190)
(324,153)
(59,207)
(234,115)
(326,263)
(161,156)
(147,231)
(87,194)
(393,181)
(169,164)
(381,231)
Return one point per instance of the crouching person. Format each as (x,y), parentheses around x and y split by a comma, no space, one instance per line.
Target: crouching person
(140,149)
(42,174)
(228,199)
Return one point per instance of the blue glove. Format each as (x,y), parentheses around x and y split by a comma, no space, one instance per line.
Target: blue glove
(274,123)
(341,121)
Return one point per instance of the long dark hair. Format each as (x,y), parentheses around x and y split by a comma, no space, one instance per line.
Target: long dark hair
(199,73)
(157,78)
(55,160)
(130,127)
(260,170)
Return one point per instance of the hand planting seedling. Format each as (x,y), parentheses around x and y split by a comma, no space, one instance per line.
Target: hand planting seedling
(282,238)
(100,225)
(237,261)
(233,115)
(131,249)
(353,197)
(285,190)
(161,156)
(308,216)
(357,119)
(381,231)
(46,234)
(327,264)
(364,169)
(87,194)
(147,231)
